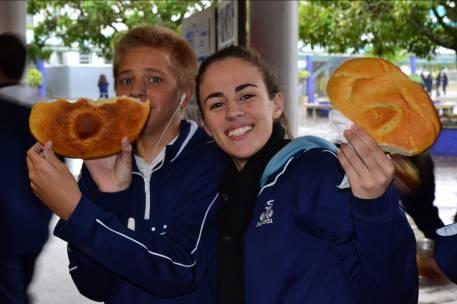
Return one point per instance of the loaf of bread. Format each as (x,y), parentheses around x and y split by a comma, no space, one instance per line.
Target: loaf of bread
(88,129)
(379,97)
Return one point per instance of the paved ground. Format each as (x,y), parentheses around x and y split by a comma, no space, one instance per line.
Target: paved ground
(52,284)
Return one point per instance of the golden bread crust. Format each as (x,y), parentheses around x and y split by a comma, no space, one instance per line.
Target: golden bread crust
(378,96)
(88,129)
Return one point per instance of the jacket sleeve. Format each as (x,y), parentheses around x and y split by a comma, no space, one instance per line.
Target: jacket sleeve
(446,251)
(386,249)
(371,239)
(93,280)
(166,264)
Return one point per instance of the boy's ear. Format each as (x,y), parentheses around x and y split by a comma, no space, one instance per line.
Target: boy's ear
(278,105)
(185,98)
(206,129)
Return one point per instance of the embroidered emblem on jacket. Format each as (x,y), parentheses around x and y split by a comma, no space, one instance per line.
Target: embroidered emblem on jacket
(267,216)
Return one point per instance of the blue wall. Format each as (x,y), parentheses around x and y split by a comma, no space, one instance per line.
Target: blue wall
(446,144)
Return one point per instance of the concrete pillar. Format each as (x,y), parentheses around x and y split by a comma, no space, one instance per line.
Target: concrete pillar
(13,17)
(273,32)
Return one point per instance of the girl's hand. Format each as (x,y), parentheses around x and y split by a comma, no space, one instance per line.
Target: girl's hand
(369,170)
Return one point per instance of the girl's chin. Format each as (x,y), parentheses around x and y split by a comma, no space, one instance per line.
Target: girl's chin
(242,153)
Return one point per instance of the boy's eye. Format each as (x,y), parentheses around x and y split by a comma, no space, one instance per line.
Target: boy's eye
(125,81)
(154,79)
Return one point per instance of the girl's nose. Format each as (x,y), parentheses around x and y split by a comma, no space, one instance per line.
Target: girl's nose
(233,110)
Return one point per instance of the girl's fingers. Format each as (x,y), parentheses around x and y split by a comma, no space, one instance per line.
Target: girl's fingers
(349,170)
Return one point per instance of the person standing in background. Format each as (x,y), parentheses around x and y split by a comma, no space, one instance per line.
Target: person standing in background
(446,250)
(424,81)
(415,182)
(24,220)
(429,83)
(103,86)
(444,81)
(438,83)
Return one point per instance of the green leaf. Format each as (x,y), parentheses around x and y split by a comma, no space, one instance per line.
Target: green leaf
(383,27)
(98,24)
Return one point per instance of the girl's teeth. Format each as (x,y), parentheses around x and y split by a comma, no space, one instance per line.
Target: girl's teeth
(239,131)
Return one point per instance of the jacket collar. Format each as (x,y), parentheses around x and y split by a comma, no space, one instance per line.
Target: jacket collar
(304,143)
(188,129)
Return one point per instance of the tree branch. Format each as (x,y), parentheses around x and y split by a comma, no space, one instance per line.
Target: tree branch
(451,12)
(441,22)
(434,38)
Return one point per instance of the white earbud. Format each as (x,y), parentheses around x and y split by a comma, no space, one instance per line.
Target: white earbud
(183,98)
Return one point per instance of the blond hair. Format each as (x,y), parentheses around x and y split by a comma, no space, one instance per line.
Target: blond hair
(183,61)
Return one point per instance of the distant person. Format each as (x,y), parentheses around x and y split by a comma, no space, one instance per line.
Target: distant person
(438,83)
(446,250)
(415,181)
(429,83)
(24,220)
(103,86)
(444,81)
(423,80)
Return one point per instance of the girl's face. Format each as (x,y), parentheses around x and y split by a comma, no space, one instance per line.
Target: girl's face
(145,73)
(237,111)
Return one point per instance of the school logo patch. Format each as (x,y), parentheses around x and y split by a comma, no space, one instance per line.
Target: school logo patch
(266,217)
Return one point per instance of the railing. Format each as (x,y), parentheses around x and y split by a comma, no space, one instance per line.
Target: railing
(445,107)
(317,108)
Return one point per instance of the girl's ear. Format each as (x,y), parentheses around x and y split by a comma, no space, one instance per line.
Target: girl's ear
(278,105)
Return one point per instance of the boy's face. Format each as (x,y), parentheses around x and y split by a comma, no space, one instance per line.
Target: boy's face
(145,73)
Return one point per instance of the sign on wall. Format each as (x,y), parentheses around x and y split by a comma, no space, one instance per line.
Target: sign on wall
(227,24)
(199,31)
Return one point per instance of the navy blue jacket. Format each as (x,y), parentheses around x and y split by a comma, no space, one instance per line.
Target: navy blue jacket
(446,250)
(312,242)
(24,220)
(167,255)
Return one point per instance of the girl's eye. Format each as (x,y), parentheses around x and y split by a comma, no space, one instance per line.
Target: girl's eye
(246,97)
(154,79)
(216,105)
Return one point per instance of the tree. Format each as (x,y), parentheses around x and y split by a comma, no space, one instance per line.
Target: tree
(418,27)
(98,24)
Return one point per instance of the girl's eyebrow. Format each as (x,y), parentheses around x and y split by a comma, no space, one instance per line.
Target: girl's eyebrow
(244,85)
(237,89)
(215,94)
